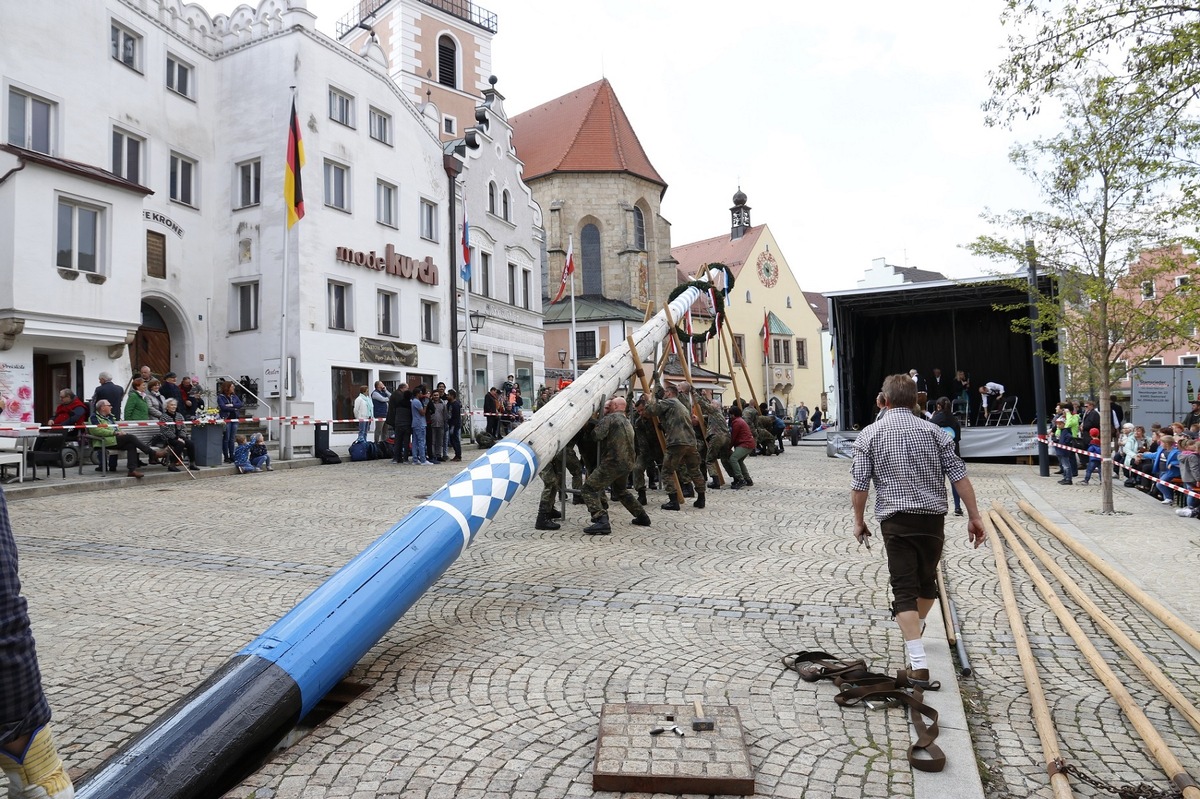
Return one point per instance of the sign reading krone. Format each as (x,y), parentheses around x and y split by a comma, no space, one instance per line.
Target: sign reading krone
(425,271)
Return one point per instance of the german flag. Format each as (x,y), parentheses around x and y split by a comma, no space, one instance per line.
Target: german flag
(292,191)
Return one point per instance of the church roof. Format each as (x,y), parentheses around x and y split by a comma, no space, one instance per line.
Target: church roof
(591,308)
(583,131)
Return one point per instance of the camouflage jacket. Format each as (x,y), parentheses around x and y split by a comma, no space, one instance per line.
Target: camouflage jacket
(674,419)
(615,435)
(714,420)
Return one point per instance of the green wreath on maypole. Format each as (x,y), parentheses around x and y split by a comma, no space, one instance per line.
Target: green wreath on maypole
(718,305)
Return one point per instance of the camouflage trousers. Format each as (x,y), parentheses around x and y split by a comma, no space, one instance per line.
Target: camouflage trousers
(609,476)
(552,483)
(645,467)
(683,460)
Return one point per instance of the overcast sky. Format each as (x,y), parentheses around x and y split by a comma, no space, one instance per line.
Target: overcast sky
(854,130)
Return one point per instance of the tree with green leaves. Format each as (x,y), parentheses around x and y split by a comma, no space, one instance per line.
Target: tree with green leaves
(1151,48)
(1109,183)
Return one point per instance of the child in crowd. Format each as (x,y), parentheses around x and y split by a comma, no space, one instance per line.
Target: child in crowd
(1093,456)
(1189,475)
(241,455)
(258,454)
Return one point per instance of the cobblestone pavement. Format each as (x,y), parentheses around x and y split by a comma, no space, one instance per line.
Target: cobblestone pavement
(491,685)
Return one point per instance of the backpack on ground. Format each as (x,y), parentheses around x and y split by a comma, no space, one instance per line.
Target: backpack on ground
(328,456)
(386,449)
(363,451)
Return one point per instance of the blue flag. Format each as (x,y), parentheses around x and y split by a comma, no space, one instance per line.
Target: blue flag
(465,270)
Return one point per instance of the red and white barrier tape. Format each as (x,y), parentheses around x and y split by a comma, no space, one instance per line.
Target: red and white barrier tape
(1180,488)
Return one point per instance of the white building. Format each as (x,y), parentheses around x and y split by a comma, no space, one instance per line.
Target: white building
(150,163)
(507,243)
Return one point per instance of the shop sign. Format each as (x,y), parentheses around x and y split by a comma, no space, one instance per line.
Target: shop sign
(395,353)
(401,265)
(164,220)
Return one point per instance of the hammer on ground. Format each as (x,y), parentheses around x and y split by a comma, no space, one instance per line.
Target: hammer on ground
(700,722)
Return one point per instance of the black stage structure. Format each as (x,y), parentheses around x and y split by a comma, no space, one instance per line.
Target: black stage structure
(950,324)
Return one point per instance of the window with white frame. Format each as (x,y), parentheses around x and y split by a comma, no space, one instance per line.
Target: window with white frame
(506,209)
(450,125)
(781,349)
(1189,360)
(381,125)
(1153,362)
(526,284)
(179,76)
(341,308)
(739,348)
(80,236)
(430,326)
(249,179)
(492,197)
(183,180)
(30,121)
(485,274)
(585,344)
(337,185)
(127,152)
(385,203)
(388,319)
(512,284)
(802,353)
(126,46)
(1121,370)
(428,220)
(1183,280)
(341,107)
(1147,289)
(244,314)
(447,62)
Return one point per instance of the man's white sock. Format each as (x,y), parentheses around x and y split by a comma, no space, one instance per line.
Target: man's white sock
(916,654)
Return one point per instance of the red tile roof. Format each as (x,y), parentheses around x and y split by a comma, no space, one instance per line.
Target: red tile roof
(719,250)
(583,131)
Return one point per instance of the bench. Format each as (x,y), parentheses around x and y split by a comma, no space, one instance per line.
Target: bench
(8,458)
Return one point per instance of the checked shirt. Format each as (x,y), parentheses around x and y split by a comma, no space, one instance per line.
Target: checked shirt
(908,459)
(23,706)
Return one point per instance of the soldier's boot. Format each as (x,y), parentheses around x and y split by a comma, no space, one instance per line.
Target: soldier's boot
(641,496)
(688,491)
(553,513)
(544,522)
(642,521)
(599,526)
(699,503)
(672,502)
(713,483)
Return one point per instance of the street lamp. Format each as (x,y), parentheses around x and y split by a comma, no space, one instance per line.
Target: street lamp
(1039,375)
(476,319)
(562,359)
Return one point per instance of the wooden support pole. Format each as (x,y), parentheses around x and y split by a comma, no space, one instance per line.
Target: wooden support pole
(687,375)
(947,621)
(742,360)
(1137,717)
(1152,672)
(1043,721)
(732,371)
(1152,605)
(662,440)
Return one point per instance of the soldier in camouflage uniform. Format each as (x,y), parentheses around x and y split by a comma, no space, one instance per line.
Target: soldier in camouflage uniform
(551,491)
(649,452)
(718,436)
(614,434)
(681,457)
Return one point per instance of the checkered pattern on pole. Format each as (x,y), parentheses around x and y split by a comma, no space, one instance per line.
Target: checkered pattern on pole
(479,492)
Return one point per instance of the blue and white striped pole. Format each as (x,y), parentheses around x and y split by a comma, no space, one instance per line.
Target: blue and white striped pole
(222,731)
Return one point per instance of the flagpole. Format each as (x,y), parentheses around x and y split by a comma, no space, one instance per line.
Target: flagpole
(469,364)
(574,353)
(285,436)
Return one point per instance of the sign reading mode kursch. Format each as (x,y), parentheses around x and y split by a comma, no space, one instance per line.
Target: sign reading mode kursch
(425,271)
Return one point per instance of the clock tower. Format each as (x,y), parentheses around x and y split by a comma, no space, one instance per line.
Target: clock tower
(740,213)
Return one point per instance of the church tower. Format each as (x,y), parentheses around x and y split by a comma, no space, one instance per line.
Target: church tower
(740,216)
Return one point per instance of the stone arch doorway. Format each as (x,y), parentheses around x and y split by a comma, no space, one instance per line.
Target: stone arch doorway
(152,344)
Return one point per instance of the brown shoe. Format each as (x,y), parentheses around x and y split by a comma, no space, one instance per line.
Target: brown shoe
(136,473)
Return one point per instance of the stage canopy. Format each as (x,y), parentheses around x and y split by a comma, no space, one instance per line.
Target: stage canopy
(950,324)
